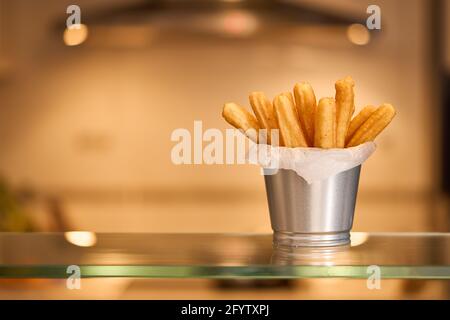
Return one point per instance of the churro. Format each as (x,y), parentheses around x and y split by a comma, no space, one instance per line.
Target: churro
(290,96)
(358,120)
(288,123)
(305,101)
(325,119)
(372,127)
(297,120)
(344,108)
(263,110)
(240,118)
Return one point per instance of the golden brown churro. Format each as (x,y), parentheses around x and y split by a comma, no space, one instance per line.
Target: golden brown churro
(358,120)
(288,122)
(372,127)
(325,119)
(344,108)
(290,96)
(263,109)
(240,118)
(302,122)
(305,101)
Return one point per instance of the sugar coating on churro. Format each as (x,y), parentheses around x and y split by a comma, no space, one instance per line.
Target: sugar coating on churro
(305,101)
(344,108)
(372,127)
(288,123)
(358,120)
(240,118)
(263,109)
(325,119)
(302,122)
(290,96)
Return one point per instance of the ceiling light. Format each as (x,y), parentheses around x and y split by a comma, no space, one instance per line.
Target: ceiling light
(358,34)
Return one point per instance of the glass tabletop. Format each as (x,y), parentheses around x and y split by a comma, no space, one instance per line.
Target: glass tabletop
(49,255)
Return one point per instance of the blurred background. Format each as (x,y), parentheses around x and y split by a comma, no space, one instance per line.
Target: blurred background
(86,115)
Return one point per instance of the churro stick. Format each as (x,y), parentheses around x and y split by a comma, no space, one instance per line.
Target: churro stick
(291,98)
(289,95)
(372,127)
(325,119)
(263,109)
(240,118)
(305,101)
(344,108)
(358,120)
(288,122)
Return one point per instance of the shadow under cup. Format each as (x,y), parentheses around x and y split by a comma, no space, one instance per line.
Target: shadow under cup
(312,215)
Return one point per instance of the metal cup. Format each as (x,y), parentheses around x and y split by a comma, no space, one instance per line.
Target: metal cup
(312,215)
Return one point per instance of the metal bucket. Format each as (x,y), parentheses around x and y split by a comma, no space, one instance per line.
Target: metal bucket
(312,215)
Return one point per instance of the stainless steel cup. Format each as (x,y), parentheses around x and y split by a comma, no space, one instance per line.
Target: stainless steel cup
(316,214)
(309,255)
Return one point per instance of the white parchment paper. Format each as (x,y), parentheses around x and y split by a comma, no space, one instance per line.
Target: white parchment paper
(312,164)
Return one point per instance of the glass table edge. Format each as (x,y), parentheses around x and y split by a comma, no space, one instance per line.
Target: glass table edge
(225,272)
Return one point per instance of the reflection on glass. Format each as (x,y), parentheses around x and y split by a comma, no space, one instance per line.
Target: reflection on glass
(81,238)
(358,238)
(325,256)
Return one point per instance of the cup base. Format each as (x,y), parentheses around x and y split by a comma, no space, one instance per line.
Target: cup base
(295,239)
